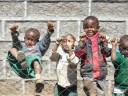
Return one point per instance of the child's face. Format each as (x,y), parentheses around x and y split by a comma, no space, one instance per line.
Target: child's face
(91,27)
(123,47)
(67,40)
(29,40)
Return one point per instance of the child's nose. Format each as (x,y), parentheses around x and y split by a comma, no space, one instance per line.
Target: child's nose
(89,28)
(30,41)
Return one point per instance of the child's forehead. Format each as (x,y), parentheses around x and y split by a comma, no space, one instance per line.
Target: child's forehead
(91,21)
(30,33)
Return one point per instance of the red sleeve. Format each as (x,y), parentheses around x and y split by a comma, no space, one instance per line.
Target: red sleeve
(80,53)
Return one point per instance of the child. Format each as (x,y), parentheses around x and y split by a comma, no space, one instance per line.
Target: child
(67,62)
(25,57)
(120,61)
(92,50)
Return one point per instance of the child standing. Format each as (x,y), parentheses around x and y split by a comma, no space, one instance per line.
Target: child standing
(25,57)
(120,61)
(92,50)
(63,54)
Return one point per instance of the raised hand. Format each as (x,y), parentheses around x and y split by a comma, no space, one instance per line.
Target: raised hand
(13,27)
(50,27)
(59,40)
(102,37)
(82,36)
(114,41)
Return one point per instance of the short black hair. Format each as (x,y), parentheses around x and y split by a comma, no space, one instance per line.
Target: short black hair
(35,31)
(92,18)
(123,38)
(73,37)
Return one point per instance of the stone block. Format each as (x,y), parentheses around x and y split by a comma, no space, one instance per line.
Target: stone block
(68,27)
(57,9)
(10,73)
(48,72)
(110,0)
(2,69)
(9,9)
(47,91)
(10,87)
(110,10)
(5,47)
(1,30)
(47,0)
(113,29)
(25,25)
(48,88)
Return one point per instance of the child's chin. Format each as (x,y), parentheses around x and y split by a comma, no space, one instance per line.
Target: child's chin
(29,46)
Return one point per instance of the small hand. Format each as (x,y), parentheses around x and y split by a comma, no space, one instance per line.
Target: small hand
(114,41)
(50,25)
(82,36)
(13,27)
(59,40)
(102,37)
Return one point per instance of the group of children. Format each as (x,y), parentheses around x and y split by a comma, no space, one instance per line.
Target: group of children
(91,52)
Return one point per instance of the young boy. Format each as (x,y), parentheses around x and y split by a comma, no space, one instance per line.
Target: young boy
(25,57)
(92,50)
(64,56)
(120,61)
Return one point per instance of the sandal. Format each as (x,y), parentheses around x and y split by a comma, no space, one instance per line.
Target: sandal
(21,59)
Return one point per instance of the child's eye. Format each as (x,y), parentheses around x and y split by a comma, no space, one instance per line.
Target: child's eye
(69,41)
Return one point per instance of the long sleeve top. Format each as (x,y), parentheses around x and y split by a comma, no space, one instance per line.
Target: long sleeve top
(66,67)
(38,49)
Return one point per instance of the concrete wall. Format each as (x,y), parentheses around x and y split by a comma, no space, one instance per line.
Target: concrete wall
(67,16)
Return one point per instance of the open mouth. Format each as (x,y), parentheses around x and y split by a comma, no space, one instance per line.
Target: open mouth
(89,33)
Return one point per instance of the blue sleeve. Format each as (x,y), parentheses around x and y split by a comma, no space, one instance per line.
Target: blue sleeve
(44,43)
(16,42)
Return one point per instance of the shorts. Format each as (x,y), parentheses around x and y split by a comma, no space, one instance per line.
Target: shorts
(26,73)
(68,91)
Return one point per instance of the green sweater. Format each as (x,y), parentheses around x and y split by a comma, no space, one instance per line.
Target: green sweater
(121,71)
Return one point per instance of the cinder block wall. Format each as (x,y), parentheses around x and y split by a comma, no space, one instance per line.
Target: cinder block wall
(67,16)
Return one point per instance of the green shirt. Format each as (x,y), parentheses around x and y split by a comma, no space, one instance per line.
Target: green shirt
(121,71)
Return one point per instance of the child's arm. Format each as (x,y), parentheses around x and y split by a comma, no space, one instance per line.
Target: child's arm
(72,59)
(15,34)
(80,49)
(45,42)
(104,43)
(113,52)
(55,55)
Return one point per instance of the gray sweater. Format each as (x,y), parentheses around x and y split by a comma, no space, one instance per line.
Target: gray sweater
(38,49)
